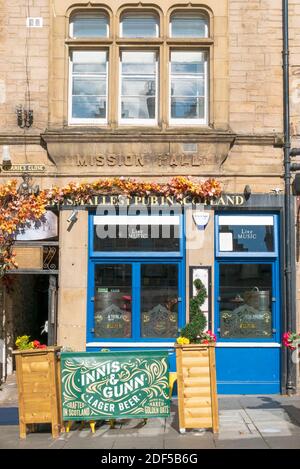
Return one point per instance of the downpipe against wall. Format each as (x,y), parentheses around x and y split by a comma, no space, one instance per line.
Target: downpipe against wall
(289,303)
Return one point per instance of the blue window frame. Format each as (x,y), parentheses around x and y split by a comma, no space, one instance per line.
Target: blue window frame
(136,254)
(274,303)
(256,237)
(260,265)
(136,261)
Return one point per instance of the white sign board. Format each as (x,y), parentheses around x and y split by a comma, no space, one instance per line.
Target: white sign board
(46,229)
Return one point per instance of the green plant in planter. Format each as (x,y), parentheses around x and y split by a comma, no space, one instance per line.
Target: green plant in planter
(194,330)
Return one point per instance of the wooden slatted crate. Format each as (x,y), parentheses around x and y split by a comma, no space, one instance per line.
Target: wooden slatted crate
(38,380)
(196,384)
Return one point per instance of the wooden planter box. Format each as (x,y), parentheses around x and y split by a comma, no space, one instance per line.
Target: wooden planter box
(196,383)
(38,380)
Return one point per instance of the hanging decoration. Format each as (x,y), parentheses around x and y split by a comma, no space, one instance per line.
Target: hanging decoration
(18,209)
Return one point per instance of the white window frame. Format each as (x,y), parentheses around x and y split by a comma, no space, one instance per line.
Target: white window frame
(187,14)
(82,120)
(145,122)
(183,122)
(140,14)
(88,15)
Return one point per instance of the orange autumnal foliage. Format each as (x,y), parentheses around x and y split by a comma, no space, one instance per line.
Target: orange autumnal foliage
(19,210)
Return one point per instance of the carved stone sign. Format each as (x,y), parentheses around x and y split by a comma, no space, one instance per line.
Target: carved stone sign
(141,160)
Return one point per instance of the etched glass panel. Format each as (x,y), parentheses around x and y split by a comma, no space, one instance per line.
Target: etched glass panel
(159,300)
(113,299)
(246,301)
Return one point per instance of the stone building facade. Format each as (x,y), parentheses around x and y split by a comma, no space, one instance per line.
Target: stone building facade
(232,131)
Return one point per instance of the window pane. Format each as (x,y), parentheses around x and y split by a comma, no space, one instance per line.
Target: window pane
(189,25)
(137,25)
(187,62)
(246,234)
(113,298)
(138,108)
(86,86)
(138,90)
(138,63)
(89,25)
(138,86)
(89,89)
(159,300)
(183,87)
(246,301)
(88,107)
(89,62)
(187,108)
(136,237)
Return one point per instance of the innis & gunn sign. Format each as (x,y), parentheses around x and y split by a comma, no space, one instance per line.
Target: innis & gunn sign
(114,385)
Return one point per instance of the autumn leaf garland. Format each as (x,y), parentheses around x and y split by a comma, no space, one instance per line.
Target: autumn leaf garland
(18,210)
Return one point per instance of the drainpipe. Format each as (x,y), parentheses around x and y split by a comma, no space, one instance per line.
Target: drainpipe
(288,272)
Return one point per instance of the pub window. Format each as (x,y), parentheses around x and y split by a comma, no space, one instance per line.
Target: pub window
(138,87)
(188,87)
(189,24)
(139,25)
(88,86)
(147,233)
(243,235)
(86,24)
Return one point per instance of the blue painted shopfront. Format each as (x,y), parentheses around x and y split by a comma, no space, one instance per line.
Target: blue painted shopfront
(247,303)
(136,288)
(136,295)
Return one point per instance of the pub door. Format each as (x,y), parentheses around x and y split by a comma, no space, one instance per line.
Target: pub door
(248,304)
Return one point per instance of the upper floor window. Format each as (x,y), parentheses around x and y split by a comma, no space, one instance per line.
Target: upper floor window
(188,87)
(139,25)
(138,87)
(185,24)
(85,24)
(88,87)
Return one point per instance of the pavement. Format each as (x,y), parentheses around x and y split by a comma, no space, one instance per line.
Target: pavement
(246,422)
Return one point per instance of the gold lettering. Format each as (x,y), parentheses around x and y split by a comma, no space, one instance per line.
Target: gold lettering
(239,200)
(113,200)
(137,200)
(230,199)
(153,200)
(170,199)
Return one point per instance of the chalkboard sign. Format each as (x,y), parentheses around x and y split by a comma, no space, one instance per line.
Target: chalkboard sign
(101,385)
